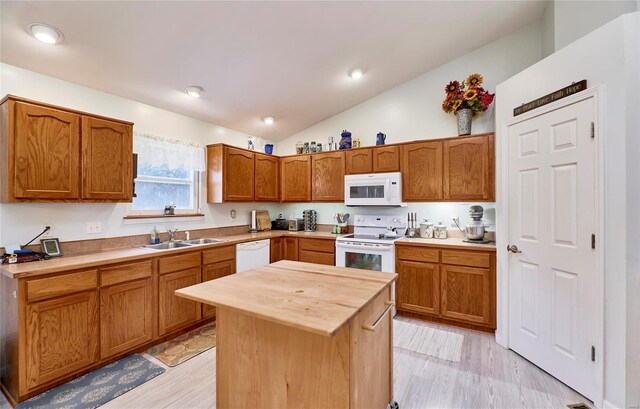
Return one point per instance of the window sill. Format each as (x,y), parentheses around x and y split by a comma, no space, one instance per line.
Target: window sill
(161,216)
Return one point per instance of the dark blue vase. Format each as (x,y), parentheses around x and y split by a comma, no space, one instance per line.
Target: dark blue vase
(345,142)
(380,138)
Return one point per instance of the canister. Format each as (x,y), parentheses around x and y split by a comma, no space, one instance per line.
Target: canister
(440,231)
(426,229)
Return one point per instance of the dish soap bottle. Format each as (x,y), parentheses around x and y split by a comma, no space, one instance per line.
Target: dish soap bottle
(155,236)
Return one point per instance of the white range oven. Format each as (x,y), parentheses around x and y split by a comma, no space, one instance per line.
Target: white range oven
(371,246)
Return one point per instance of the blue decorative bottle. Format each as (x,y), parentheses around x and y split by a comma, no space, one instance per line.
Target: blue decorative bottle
(345,142)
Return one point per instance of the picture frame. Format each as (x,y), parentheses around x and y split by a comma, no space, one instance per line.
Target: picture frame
(51,247)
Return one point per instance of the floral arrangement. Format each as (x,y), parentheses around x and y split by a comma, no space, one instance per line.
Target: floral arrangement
(469,94)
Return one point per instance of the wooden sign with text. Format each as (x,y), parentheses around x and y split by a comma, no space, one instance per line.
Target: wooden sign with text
(549,98)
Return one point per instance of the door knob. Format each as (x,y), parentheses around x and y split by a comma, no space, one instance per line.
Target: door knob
(513,248)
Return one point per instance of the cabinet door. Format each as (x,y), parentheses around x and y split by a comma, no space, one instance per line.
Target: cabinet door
(107,160)
(46,153)
(327,177)
(386,159)
(468,294)
(238,175)
(469,168)
(358,161)
(276,249)
(177,312)
(211,272)
(290,249)
(418,287)
(61,337)
(266,176)
(295,178)
(126,316)
(422,171)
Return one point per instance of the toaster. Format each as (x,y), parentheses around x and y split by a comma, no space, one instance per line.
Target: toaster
(296,224)
(280,224)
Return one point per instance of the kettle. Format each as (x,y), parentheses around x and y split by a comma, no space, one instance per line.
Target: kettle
(380,138)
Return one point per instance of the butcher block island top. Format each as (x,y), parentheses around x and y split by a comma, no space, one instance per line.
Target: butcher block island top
(294,335)
(312,297)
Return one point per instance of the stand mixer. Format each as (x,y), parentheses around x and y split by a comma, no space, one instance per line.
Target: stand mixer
(474,231)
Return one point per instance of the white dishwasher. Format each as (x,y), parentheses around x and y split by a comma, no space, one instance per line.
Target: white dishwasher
(252,254)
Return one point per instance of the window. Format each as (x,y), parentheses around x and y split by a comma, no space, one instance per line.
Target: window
(168,173)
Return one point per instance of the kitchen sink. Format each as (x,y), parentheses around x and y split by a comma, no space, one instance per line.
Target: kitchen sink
(203,241)
(167,245)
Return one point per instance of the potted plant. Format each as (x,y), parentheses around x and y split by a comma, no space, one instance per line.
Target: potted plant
(466,100)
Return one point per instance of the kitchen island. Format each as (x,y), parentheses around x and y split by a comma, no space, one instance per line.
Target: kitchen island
(301,335)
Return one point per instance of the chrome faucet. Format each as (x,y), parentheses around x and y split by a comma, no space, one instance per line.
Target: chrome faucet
(172,234)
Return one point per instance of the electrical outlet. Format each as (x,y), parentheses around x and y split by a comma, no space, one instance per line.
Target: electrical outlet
(48,233)
(94,227)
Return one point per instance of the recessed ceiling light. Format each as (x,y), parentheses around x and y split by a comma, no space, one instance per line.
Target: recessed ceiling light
(357,73)
(46,33)
(194,91)
(269,120)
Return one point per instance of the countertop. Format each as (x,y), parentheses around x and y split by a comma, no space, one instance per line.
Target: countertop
(125,254)
(311,297)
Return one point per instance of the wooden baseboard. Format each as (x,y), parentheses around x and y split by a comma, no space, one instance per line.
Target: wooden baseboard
(7,395)
(445,321)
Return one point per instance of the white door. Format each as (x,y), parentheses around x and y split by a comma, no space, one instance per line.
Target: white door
(552,280)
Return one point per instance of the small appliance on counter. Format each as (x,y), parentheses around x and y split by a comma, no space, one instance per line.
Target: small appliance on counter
(475,230)
(296,224)
(309,218)
(280,223)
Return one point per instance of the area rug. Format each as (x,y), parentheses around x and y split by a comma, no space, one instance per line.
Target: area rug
(186,346)
(98,387)
(427,341)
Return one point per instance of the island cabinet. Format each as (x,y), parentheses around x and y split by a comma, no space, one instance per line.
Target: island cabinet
(127,314)
(333,350)
(469,168)
(216,263)
(453,286)
(52,153)
(422,171)
(177,272)
(295,178)
(327,177)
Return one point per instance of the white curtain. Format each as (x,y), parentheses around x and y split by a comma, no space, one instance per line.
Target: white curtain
(158,151)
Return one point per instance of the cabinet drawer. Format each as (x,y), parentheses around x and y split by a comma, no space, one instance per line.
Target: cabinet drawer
(316,257)
(179,262)
(417,254)
(124,273)
(43,288)
(324,246)
(218,254)
(466,258)
(377,307)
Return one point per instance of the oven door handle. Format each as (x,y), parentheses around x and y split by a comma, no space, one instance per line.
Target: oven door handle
(360,247)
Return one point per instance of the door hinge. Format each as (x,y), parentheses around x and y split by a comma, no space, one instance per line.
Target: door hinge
(593,241)
(593,129)
(593,353)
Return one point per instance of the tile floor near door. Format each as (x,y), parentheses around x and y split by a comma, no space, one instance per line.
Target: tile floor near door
(487,376)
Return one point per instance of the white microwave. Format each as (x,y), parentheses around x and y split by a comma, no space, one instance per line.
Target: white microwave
(373,189)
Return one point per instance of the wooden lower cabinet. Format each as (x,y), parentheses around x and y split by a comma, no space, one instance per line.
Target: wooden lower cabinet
(467,294)
(318,251)
(62,336)
(290,248)
(126,316)
(418,287)
(211,272)
(175,312)
(276,249)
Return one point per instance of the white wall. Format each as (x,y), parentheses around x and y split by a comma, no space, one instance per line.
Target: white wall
(22,221)
(548,30)
(603,57)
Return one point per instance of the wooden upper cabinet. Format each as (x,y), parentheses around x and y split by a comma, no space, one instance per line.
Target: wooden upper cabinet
(295,178)
(107,160)
(358,161)
(386,159)
(46,147)
(469,168)
(266,178)
(238,175)
(422,171)
(327,177)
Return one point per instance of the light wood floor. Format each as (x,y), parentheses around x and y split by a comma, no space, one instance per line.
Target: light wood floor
(488,376)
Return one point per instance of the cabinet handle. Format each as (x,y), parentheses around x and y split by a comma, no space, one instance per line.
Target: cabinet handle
(375,324)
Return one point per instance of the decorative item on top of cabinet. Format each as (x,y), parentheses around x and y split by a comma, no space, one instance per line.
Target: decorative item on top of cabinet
(295,178)
(358,161)
(230,174)
(345,141)
(266,178)
(469,168)
(54,154)
(466,100)
(386,159)
(327,177)
(422,171)
(381,138)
